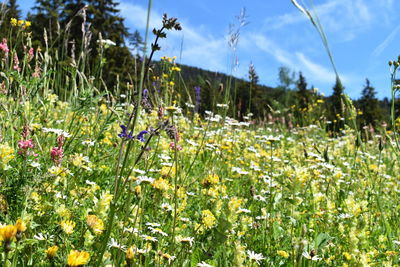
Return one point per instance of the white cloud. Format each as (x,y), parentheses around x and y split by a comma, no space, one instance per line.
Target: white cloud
(382,46)
(297,60)
(316,71)
(344,18)
(268,46)
(136,15)
(200,48)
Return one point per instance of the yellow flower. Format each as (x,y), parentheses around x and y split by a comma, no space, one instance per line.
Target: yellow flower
(161,184)
(7,233)
(130,254)
(211,179)
(283,253)
(51,251)
(208,219)
(68,226)
(27,24)
(20,225)
(13,21)
(20,22)
(63,212)
(103,108)
(78,258)
(347,255)
(6,154)
(167,171)
(78,160)
(390,253)
(235,203)
(95,223)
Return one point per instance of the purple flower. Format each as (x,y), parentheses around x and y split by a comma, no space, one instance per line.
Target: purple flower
(140,136)
(197,90)
(124,133)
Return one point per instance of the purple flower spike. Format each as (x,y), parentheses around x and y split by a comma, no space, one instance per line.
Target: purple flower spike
(124,132)
(140,136)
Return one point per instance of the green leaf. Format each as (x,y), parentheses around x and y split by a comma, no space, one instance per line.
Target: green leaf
(195,257)
(219,238)
(322,240)
(224,225)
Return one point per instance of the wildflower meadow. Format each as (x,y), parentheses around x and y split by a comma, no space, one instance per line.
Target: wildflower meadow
(137,175)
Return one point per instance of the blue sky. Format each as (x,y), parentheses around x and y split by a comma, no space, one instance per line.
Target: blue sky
(363,34)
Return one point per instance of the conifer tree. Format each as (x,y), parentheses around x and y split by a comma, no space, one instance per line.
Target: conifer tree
(136,41)
(104,18)
(253,78)
(369,105)
(303,93)
(337,112)
(12,11)
(46,16)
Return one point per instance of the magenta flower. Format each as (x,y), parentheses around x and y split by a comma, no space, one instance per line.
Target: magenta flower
(57,155)
(24,146)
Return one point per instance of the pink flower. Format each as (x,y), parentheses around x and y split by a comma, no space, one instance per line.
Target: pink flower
(60,140)
(30,54)
(16,63)
(24,146)
(4,47)
(36,74)
(57,155)
(173,146)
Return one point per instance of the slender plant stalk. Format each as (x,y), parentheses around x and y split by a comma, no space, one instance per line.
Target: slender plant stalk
(113,205)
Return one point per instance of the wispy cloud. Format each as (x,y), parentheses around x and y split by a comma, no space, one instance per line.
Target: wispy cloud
(297,60)
(382,46)
(318,72)
(136,15)
(344,18)
(200,48)
(270,47)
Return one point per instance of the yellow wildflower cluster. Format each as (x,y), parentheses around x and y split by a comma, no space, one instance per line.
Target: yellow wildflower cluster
(208,219)
(211,179)
(6,155)
(67,226)
(95,224)
(20,23)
